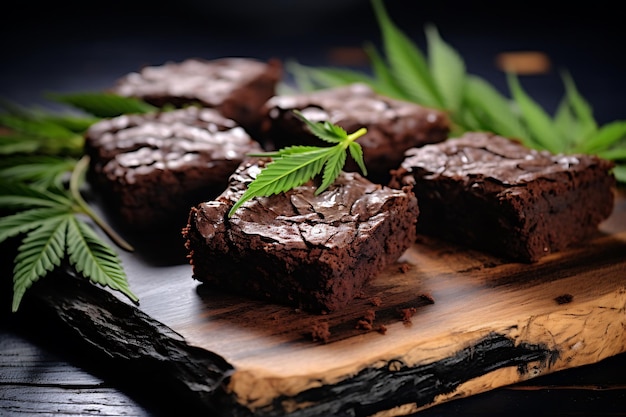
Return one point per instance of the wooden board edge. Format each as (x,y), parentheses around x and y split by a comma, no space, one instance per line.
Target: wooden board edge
(476,362)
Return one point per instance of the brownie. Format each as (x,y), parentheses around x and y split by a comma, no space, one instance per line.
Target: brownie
(493,194)
(153,168)
(393,126)
(314,252)
(237,87)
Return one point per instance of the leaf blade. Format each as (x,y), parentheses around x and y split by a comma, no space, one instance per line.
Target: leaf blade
(383,81)
(496,109)
(581,110)
(95,260)
(310,79)
(42,171)
(447,68)
(332,168)
(40,252)
(323,130)
(542,131)
(103,105)
(284,173)
(356,151)
(604,138)
(19,196)
(407,62)
(24,221)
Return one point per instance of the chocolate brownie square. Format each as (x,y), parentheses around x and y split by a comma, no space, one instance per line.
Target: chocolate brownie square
(314,252)
(237,87)
(153,168)
(491,193)
(393,126)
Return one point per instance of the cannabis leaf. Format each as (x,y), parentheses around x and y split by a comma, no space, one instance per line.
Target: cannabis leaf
(440,81)
(40,252)
(103,104)
(47,218)
(30,132)
(295,165)
(37,131)
(41,171)
(40,181)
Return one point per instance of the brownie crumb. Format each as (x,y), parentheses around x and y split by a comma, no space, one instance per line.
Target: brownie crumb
(406,314)
(382,329)
(376,301)
(370,315)
(363,325)
(404,267)
(564,299)
(428,298)
(320,332)
(366,323)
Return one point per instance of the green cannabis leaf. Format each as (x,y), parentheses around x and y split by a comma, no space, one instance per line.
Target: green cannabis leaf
(103,104)
(32,132)
(48,219)
(37,131)
(41,171)
(295,165)
(41,177)
(440,80)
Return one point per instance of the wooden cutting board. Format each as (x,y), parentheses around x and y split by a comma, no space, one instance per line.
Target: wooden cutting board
(443,323)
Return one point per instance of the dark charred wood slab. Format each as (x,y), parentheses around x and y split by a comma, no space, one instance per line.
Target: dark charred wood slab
(120,342)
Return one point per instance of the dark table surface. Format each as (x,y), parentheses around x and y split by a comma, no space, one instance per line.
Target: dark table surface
(69,48)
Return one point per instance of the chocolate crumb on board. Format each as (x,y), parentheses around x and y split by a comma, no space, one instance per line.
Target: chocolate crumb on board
(363,325)
(367,321)
(404,267)
(320,332)
(376,301)
(428,298)
(382,329)
(564,299)
(406,314)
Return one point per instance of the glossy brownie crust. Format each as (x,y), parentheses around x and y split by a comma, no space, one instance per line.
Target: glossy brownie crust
(237,87)
(153,168)
(295,248)
(493,194)
(393,126)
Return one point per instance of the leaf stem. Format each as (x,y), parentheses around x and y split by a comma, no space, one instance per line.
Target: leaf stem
(75,182)
(355,135)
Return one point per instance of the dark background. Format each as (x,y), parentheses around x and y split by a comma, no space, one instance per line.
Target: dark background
(78,46)
(85,46)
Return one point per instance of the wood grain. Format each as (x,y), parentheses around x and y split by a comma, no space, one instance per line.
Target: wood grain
(36,382)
